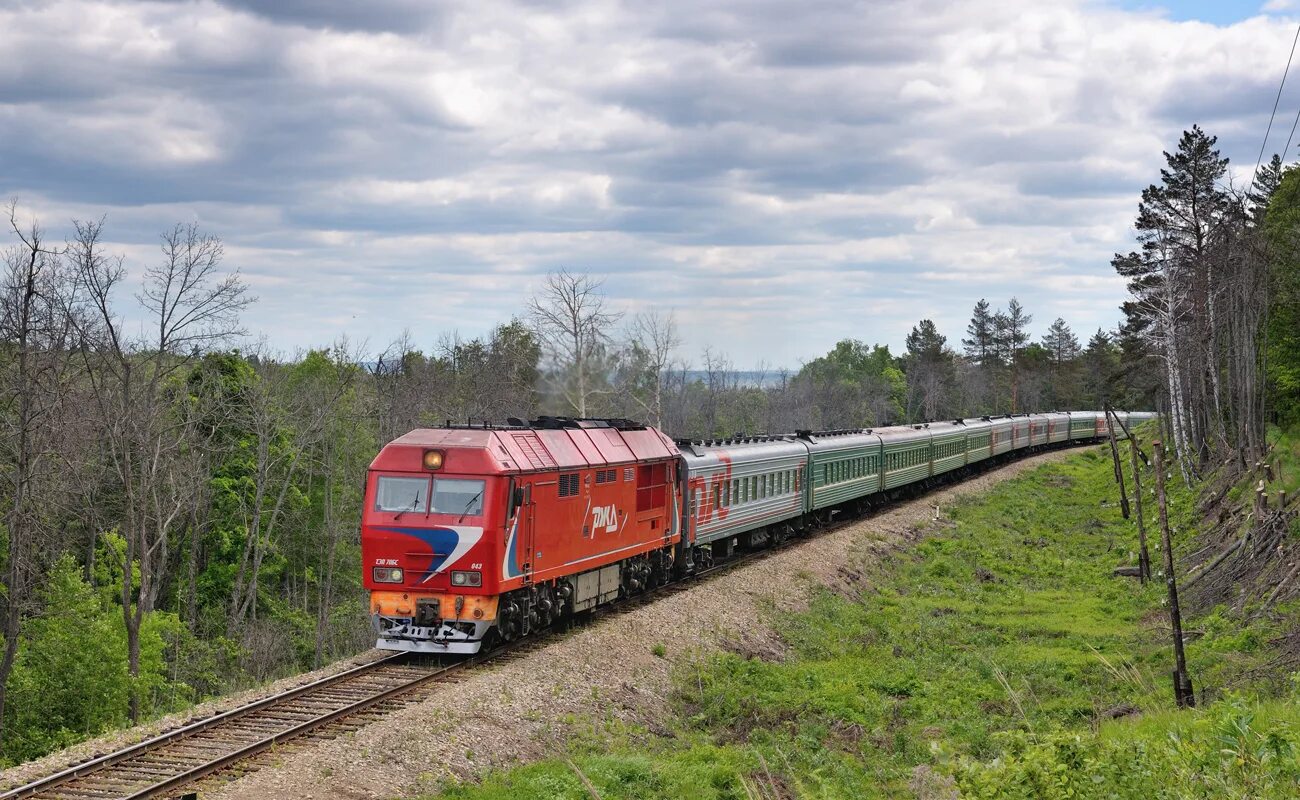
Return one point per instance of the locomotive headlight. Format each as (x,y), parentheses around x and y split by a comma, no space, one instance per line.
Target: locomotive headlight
(432,459)
(466,578)
(388,574)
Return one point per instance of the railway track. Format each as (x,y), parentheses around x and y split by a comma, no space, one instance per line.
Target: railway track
(162,765)
(169,763)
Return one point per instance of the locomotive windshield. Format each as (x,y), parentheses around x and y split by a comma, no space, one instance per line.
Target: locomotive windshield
(402,494)
(458,496)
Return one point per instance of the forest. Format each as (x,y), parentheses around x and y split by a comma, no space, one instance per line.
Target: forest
(181,507)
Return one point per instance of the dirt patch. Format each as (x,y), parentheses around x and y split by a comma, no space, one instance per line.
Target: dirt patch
(619,670)
(762,645)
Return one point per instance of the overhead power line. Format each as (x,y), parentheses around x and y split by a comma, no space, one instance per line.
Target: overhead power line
(1276,100)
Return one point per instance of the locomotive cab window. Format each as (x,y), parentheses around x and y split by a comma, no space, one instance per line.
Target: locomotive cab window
(458,496)
(402,494)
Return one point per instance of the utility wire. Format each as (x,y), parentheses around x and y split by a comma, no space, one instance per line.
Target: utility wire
(1287,149)
(1276,100)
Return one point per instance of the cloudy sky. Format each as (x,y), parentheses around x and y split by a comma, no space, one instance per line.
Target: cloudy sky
(781,174)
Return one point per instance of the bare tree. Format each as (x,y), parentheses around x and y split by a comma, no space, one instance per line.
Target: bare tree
(396,375)
(190,306)
(35,334)
(572,322)
(654,335)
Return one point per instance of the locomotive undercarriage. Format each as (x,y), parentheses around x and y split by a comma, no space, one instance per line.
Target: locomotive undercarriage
(533,608)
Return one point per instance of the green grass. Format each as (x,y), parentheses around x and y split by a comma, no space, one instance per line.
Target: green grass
(993,653)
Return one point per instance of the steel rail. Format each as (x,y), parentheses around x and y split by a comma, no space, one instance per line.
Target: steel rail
(171,737)
(207,768)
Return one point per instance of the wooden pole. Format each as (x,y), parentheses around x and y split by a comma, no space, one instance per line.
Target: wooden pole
(1119,470)
(1183,694)
(1144,555)
(1129,434)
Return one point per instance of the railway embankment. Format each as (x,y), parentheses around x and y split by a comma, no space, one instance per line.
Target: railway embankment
(997,656)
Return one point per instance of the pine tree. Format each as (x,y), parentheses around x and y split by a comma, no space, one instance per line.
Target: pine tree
(979,347)
(929,371)
(1100,362)
(1062,348)
(1016,336)
(1061,343)
(1174,282)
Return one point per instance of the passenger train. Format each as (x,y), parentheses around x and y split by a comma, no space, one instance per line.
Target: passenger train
(472,534)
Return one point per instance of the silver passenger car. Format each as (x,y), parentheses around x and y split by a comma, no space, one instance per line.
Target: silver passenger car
(737,485)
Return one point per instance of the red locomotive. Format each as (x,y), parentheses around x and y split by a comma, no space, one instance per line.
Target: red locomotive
(477,532)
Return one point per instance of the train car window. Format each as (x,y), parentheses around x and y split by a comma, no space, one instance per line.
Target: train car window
(735,490)
(402,494)
(459,496)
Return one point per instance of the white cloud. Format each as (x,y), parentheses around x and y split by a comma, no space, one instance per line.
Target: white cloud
(782,180)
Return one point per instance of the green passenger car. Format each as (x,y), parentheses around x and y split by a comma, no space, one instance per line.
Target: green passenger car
(907,454)
(842,466)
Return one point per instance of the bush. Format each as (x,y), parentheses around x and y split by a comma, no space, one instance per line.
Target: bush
(1222,752)
(70,679)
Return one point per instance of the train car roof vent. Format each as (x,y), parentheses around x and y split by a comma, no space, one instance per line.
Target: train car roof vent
(688,445)
(556,423)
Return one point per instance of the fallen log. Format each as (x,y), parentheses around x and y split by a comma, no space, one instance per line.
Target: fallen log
(1192,577)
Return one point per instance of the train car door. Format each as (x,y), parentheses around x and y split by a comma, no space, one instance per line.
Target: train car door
(528,534)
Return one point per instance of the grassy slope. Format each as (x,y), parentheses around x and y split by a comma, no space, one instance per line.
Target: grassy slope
(991,657)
